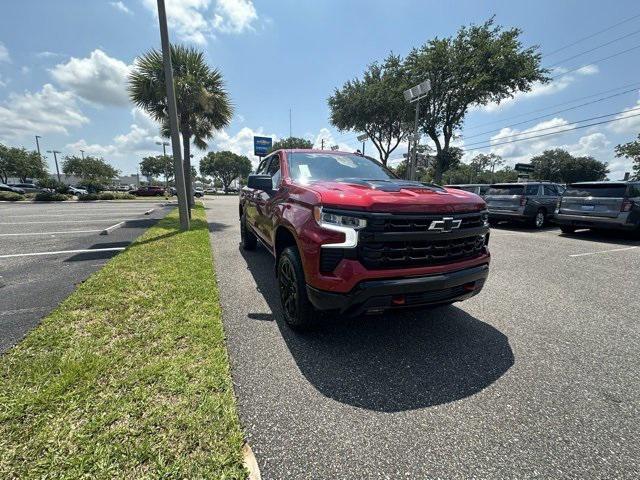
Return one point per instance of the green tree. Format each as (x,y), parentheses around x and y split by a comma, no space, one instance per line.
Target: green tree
(631,151)
(202,101)
(93,169)
(375,105)
(21,163)
(225,166)
(291,142)
(157,166)
(481,64)
(558,165)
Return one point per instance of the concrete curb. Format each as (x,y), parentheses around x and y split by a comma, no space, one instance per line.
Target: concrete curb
(250,463)
(110,229)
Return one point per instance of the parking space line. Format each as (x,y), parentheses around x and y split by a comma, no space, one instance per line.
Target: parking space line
(602,251)
(62,252)
(60,221)
(47,233)
(24,310)
(101,214)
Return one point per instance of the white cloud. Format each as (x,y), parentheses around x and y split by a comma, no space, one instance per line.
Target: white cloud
(234,16)
(99,78)
(25,70)
(121,6)
(3,81)
(195,20)
(48,54)
(330,141)
(4,53)
(629,122)
(241,143)
(48,110)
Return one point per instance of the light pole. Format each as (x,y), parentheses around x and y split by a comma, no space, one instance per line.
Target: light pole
(55,152)
(183,201)
(164,155)
(415,94)
(38,144)
(363,138)
(82,153)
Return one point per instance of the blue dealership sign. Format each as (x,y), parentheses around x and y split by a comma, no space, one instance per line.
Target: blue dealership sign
(261,146)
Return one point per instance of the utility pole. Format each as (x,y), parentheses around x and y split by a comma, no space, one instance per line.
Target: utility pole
(289,123)
(164,155)
(416,139)
(38,144)
(55,158)
(322,144)
(82,153)
(415,94)
(183,201)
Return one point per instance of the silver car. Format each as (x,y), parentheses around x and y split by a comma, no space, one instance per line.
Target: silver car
(532,202)
(599,205)
(477,188)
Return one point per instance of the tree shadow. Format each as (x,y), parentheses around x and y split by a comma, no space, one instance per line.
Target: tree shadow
(396,362)
(613,237)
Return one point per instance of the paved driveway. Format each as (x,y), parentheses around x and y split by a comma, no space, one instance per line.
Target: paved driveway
(46,249)
(537,377)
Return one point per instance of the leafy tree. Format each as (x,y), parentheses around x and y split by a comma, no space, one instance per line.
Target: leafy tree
(202,101)
(156,166)
(291,142)
(631,151)
(93,169)
(21,163)
(558,165)
(375,105)
(225,166)
(481,64)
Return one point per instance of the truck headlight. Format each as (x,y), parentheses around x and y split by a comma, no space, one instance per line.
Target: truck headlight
(346,224)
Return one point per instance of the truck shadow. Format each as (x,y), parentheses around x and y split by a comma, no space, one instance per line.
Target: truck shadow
(396,362)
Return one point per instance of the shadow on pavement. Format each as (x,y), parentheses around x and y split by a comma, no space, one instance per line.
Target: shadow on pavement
(613,237)
(400,361)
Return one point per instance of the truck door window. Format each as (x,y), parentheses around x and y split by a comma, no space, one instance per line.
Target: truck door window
(531,190)
(274,171)
(550,190)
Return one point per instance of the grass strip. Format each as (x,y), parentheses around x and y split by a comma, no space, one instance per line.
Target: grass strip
(129,376)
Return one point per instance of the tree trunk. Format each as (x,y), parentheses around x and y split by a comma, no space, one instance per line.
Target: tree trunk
(186,162)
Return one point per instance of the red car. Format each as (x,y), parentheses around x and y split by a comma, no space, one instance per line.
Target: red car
(349,236)
(148,192)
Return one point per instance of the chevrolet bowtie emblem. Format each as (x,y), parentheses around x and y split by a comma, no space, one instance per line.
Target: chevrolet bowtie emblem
(445,225)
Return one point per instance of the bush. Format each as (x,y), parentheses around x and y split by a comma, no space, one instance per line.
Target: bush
(106,196)
(10,197)
(53,184)
(91,186)
(88,196)
(50,197)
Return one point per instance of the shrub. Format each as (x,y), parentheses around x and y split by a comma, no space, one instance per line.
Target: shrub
(106,196)
(10,196)
(92,186)
(53,184)
(88,196)
(121,196)
(50,197)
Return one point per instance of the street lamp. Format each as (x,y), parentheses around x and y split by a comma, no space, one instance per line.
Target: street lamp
(166,166)
(38,144)
(415,94)
(82,153)
(363,138)
(55,152)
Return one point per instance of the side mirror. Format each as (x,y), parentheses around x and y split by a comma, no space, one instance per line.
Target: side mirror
(260,182)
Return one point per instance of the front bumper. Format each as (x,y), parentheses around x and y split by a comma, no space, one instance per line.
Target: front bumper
(586,221)
(379,295)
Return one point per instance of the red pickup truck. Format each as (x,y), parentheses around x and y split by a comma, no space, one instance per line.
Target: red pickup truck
(349,236)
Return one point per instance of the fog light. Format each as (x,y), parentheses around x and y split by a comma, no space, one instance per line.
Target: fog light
(397,300)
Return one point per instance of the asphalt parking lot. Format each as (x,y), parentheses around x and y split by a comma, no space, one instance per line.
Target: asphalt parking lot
(536,377)
(46,249)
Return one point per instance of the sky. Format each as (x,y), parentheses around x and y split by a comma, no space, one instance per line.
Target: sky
(64,76)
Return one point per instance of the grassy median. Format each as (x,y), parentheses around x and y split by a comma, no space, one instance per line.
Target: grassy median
(128,377)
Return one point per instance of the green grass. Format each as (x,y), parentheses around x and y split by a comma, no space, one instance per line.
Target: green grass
(129,376)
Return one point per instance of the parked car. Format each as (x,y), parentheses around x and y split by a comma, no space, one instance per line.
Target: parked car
(210,191)
(349,236)
(531,202)
(28,187)
(6,188)
(599,205)
(231,190)
(149,191)
(477,188)
(198,192)
(77,191)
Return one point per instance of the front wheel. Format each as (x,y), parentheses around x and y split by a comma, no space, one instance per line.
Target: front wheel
(298,311)
(540,219)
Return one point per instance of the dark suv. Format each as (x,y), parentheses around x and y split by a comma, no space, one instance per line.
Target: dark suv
(599,205)
(530,202)
(349,236)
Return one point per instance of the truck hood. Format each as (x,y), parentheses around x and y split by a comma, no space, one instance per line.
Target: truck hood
(396,196)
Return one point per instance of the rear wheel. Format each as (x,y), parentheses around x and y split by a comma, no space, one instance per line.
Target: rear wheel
(298,311)
(567,229)
(539,219)
(248,239)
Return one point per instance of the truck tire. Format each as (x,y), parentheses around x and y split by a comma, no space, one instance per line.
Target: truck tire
(248,239)
(297,310)
(539,220)
(567,229)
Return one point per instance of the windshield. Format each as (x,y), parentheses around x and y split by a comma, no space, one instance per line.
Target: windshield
(596,190)
(309,167)
(506,190)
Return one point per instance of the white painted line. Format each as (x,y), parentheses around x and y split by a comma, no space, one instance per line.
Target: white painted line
(108,230)
(602,251)
(62,252)
(47,233)
(60,221)
(68,214)
(25,310)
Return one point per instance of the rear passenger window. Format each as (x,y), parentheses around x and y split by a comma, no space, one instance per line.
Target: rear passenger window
(531,190)
(634,190)
(550,190)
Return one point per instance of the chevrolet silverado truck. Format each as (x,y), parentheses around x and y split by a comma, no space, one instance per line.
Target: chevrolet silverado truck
(350,237)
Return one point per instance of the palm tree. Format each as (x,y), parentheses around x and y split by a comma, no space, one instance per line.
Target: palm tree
(202,101)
